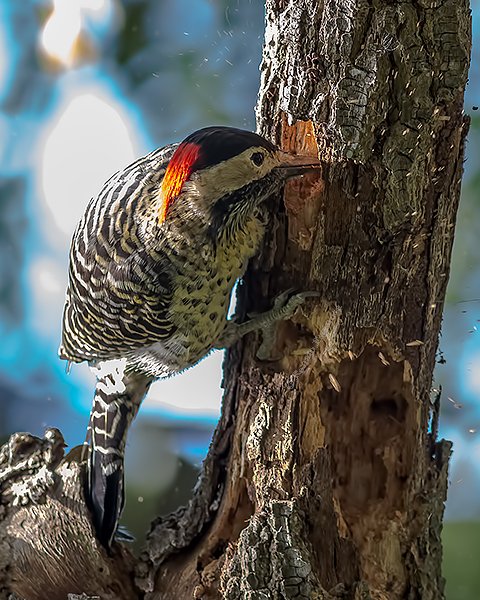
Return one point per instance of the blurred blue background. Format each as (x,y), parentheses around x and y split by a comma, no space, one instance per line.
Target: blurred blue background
(86,86)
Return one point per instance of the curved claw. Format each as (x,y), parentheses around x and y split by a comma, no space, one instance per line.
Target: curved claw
(283,308)
(283,298)
(292,303)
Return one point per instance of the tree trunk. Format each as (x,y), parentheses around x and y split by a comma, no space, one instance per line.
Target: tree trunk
(325,478)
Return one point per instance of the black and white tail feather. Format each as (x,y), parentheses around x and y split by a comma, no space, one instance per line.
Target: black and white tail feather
(118,394)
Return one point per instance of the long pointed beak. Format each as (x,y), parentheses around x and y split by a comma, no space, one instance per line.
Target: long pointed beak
(292,165)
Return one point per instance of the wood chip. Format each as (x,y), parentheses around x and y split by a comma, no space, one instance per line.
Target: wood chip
(381,356)
(334,381)
(414,343)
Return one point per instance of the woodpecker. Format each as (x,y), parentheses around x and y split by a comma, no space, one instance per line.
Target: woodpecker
(153,262)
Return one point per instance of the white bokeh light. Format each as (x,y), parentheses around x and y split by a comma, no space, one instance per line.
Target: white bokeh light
(88,142)
(61,34)
(61,30)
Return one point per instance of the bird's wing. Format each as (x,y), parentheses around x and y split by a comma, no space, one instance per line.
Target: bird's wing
(119,291)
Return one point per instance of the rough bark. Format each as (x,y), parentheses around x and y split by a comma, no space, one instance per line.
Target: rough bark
(325,478)
(47,545)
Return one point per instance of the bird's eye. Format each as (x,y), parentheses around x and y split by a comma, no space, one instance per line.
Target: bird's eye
(257,158)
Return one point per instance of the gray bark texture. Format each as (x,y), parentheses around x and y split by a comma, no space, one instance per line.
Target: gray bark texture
(325,478)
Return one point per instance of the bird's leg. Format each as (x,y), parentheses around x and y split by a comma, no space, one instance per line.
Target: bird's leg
(283,308)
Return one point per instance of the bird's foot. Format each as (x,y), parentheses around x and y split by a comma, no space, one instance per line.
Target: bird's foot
(284,306)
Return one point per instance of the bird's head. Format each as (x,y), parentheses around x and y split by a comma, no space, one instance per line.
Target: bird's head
(224,174)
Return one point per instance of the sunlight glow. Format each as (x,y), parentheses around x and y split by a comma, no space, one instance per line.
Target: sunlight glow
(62,30)
(61,36)
(88,142)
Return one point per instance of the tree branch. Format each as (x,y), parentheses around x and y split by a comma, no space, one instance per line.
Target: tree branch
(47,544)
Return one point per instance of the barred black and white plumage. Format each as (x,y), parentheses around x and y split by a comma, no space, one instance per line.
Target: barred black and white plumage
(118,288)
(153,263)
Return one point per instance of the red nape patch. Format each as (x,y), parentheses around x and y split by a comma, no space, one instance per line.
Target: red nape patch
(179,169)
